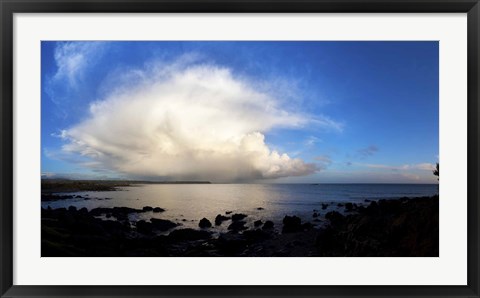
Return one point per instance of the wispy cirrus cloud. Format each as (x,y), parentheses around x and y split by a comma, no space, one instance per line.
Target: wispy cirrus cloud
(189,122)
(312,140)
(73,58)
(367,151)
(323,161)
(405,167)
(74,63)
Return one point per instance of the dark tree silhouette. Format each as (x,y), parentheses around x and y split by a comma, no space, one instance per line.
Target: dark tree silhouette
(436,172)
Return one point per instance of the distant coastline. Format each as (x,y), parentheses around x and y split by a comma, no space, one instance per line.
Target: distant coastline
(67,185)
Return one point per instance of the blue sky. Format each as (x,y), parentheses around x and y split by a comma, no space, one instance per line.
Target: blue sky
(316,112)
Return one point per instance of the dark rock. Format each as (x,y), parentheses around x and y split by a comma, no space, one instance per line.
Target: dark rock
(324,206)
(230,243)
(118,212)
(335,218)
(72,208)
(307,226)
(147,208)
(391,206)
(329,243)
(158,209)
(220,218)
(315,214)
(237,226)
(99,211)
(204,223)
(291,224)
(125,210)
(162,224)
(228,212)
(348,207)
(372,209)
(144,227)
(254,236)
(189,235)
(340,205)
(387,228)
(260,208)
(257,223)
(268,225)
(282,253)
(50,197)
(367,200)
(238,216)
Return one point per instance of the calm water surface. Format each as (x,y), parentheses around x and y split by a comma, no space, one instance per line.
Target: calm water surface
(186,204)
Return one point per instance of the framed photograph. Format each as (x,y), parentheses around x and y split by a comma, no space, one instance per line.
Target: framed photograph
(248,149)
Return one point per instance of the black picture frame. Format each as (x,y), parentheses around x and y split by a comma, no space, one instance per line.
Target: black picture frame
(9,7)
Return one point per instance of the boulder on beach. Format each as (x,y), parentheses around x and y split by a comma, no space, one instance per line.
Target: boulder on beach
(121,213)
(383,229)
(257,235)
(228,212)
(220,218)
(230,243)
(372,209)
(125,210)
(237,226)
(204,223)
(162,224)
(324,206)
(268,225)
(307,226)
(257,223)
(260,208)
(144,227)
(348,207)
(315,214)
(238,216)
(292,224)
(147,208)
(189,235)
(158,209)
(335,218)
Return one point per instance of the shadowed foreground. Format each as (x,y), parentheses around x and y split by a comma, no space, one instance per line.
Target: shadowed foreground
(402,227)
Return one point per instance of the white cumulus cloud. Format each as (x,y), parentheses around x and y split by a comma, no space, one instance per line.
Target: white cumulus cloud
(196,122)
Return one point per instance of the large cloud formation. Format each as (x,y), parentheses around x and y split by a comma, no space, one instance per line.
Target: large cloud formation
(188,123)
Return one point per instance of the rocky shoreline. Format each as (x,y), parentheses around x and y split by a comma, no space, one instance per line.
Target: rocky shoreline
(403,227)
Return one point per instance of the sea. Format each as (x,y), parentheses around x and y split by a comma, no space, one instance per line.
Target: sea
(187,204)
